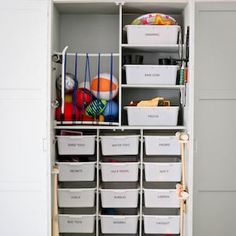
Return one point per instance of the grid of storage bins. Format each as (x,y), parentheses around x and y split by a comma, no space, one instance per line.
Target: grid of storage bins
(119,182)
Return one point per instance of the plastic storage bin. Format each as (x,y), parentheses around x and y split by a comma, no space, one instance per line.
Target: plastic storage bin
(116,224)
(76,171)
(151,74)
(162,172)
(120,172)
(161,198)
(152,34)
(161,224)
(76,197)
(161,145)
(76,145)
(120,145)
(152,116)
(76,223)
(119,198)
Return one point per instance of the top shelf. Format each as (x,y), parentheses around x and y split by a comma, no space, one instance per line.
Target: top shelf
(172,48)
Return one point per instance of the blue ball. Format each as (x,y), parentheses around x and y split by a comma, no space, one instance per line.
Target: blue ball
(111,112)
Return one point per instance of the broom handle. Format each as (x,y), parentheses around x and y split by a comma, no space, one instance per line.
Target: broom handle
(55,226)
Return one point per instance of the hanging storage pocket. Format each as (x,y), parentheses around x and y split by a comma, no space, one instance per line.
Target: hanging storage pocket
(76,223)
(161,145)
(76,145)
(162,172)
(76,197)
(161,224)
(120,172)
(120,145)
(76,171)
(161,198)
(119,198)
(115,224)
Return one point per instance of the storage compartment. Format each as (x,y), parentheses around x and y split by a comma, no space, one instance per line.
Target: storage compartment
(152,116)
(162,172)
(152,34)
(120,145)
(76,197)
(120,172)
(161,224)
(161,145)
(115,224)
(76,171)
(119,198)
(76,223)
(161,198)
(151,74)
(76,145)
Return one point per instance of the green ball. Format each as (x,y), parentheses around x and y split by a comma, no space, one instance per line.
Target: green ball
(96,107)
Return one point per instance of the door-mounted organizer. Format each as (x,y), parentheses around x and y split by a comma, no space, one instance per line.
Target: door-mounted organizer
(110,173)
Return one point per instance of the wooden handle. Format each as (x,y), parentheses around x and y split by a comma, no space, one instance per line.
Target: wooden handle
(182,218)
(55,224)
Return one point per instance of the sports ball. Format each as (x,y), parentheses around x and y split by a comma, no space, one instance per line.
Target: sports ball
(69,83)
(68,108)
(111,111)
(104,86)
(96,107)
(68,98)
(83,96)
(84,85)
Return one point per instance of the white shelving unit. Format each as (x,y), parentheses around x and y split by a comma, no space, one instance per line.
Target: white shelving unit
(104,34)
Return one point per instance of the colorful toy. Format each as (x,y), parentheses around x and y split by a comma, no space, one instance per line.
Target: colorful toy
(103,89)
(69,83)
(157,101)
(83,96)
(96,107)
(111,111)
(154,19)
(67,112)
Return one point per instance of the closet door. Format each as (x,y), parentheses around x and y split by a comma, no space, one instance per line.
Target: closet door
(215,119)
(24,173)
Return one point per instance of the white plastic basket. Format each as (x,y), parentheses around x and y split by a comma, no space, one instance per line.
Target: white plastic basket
(76,171)
(161,198)
(119,198)
(76,223)
(76,197)
(152,34)
(161,224)
(151,74)
(162,172)
(120,145)
(152,116)
(76,145)
(116,224)
(120,172)
(161,145)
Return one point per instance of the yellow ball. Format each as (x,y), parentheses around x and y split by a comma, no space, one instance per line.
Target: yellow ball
(101,118)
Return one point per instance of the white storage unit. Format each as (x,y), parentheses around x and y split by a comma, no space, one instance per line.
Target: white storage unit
(76,223)
(120,145)
(76,171)
(120,172)
(152,34)
(119,198)
(114,224)
(151,74)
(76,145)
(162,172)
(161,224)
(161,198)
(76,197)
(152,116)
(161,145)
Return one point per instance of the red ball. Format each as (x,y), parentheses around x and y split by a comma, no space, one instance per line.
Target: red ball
(67,112)
(83,96)
(84,117)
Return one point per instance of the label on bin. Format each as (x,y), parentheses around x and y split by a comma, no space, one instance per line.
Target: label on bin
(120,145)
(119,222)
(74,171)
(74,222)
(120,197)
(115,171)
(75,197)
(152,34)
(153,116)
(76,145)
(151,75)
(163,222)
(163,196)
(164,144)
